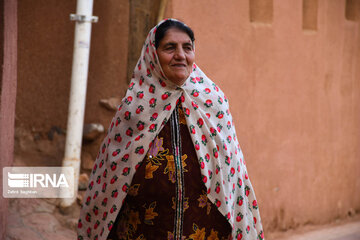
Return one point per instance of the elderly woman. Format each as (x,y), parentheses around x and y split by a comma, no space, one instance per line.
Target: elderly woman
(170,166)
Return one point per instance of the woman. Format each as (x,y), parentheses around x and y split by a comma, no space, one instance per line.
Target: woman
(170,166)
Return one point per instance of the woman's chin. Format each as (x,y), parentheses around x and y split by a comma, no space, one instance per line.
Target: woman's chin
(179,79)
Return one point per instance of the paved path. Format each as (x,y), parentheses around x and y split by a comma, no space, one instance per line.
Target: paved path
(348,231)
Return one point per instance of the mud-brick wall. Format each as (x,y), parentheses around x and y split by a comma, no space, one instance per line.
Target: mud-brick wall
(291,70)
(46,37)
(46,40)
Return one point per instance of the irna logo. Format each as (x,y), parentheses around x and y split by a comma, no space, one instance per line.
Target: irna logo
(33,180)
(38,182)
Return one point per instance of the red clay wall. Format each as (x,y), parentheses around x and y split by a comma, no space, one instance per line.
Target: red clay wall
(294,94)
(46,38)
(293,86)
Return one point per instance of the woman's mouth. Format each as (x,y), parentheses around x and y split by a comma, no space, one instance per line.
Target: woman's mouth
(178,65)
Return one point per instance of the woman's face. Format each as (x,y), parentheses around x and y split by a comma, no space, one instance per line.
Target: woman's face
(176,55)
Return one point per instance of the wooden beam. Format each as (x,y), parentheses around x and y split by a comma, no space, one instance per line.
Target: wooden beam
(7,95)
(143,16)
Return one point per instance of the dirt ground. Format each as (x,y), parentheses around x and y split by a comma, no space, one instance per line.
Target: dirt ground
(42,218)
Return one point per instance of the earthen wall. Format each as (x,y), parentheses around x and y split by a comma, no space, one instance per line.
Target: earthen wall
(291,70)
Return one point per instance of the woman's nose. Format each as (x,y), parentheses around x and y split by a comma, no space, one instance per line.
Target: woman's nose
(179,54)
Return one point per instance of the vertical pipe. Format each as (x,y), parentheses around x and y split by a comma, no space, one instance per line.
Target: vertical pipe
(78,93)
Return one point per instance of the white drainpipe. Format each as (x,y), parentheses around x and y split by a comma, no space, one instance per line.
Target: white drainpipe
(74,133)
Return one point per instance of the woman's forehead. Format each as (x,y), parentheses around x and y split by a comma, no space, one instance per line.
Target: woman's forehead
(174,35)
